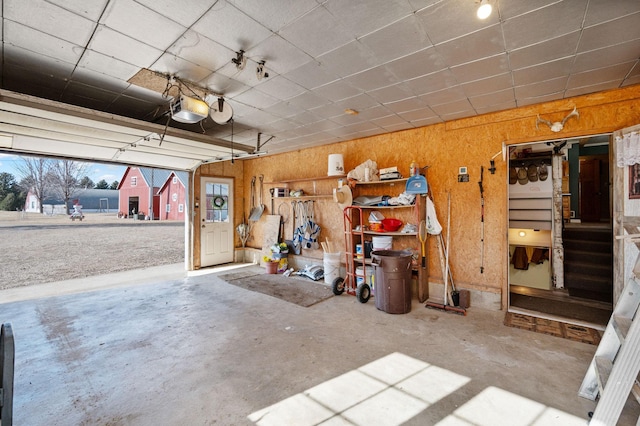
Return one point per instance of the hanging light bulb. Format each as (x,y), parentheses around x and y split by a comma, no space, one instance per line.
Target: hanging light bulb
(484,10)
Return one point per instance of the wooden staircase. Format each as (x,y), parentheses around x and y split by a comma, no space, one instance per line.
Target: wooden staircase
(588,262)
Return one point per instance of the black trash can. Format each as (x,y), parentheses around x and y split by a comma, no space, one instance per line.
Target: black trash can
(392,285)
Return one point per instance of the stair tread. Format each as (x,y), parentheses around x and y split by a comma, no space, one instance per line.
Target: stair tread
(595,263)
(621,325)
(603,371)
(588,264)
(587,277)
(584,249)
(588,240)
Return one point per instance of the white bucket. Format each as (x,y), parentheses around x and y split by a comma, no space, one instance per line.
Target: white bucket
(336,165)
(382,243)
(360,278)
(331,265)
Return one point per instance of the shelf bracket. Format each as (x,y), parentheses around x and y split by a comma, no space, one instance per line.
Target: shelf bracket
(260,145)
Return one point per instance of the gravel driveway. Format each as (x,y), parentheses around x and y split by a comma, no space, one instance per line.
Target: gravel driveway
(39,249)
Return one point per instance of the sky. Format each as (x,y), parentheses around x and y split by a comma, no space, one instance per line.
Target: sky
(95,171)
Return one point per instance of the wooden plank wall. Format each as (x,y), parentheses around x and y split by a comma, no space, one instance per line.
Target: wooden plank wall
(444,147)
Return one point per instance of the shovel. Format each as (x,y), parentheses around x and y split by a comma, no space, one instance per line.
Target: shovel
(255,212)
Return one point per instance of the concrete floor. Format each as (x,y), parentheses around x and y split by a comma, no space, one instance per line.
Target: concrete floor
(154,347)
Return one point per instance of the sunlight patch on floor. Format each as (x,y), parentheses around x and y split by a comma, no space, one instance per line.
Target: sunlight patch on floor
(395,388)
(496,407)
(216,269)
(388,391)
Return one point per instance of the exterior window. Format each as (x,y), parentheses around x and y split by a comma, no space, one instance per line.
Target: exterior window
(175,179)
(168,208)
(180,208)
(174,197)
(134,181)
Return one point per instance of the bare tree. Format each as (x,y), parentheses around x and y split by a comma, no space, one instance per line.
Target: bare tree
(65,179)
(35,174)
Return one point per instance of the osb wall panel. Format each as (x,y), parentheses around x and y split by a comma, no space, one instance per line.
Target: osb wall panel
(299,165)
(444,148)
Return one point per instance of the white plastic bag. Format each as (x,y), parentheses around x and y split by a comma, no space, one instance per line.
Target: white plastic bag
(359,172)
(433,226)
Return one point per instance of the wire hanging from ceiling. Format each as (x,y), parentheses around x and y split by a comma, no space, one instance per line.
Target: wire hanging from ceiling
(164,131)
(232,156)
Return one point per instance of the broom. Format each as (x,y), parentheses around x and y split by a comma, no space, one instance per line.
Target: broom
(446,306)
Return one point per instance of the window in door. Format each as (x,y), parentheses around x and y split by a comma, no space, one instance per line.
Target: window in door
(217,202)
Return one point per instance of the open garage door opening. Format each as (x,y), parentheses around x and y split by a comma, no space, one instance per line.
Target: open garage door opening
(41,244)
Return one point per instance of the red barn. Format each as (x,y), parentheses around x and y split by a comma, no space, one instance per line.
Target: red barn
(139,193)
(172,197)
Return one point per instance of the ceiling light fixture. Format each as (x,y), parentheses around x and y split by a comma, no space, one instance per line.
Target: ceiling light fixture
(240,60)
(189,110)
(351,111)
(484,10)
(260,73)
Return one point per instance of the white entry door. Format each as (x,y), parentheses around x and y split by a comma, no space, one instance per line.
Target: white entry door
(216,226)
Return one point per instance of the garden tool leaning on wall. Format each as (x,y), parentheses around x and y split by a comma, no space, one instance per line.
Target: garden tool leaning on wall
(481,220)
(423,274)
(417,185)
(434,228)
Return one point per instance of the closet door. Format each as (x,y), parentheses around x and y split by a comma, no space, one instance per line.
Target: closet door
(531,220)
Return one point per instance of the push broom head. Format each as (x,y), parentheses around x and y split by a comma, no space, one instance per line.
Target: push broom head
(447,308)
